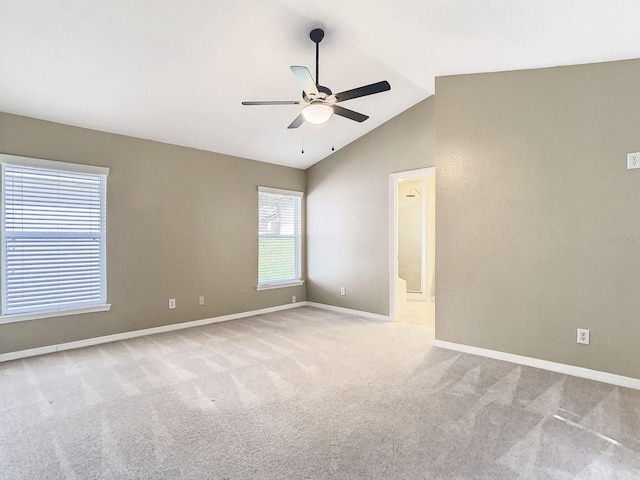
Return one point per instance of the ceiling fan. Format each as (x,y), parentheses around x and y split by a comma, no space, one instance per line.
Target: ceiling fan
(319,101)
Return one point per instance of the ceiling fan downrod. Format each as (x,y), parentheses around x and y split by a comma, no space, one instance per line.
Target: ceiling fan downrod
(317,34)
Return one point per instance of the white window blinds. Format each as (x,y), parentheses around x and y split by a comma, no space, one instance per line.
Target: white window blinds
(279,236)
(53,238)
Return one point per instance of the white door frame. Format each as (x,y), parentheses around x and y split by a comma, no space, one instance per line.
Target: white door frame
(394,178)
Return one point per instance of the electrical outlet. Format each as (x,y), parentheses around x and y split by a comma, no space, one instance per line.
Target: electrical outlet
(633,160)
(201,300)
(293,299)
(343,291)
(583,336)
(172,303)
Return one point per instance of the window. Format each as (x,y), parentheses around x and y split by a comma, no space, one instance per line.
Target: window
(279,238)
(53,238)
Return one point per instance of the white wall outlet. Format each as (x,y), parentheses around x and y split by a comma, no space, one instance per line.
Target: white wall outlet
(583,336)
(293,299)
(201,300)
(343,291)
(633,160)
(172,303)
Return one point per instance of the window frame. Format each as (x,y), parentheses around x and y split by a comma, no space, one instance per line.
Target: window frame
(102,305)
(293,282)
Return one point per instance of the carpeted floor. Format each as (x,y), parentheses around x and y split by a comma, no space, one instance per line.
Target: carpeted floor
(305,394)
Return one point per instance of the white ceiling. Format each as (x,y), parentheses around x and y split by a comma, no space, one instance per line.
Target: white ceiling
(176,71)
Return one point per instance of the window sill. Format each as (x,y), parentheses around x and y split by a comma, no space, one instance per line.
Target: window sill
(21,317)
(272,286)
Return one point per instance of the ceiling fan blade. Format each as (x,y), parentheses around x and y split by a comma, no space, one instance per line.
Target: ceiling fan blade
(350,114)
(276,102)
(363,91)
(297,122)
(305,80)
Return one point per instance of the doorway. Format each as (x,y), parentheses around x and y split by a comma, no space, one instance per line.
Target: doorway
(412,252)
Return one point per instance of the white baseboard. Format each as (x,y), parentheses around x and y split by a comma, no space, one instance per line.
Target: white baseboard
(596,375)
(350,311)
(32,352)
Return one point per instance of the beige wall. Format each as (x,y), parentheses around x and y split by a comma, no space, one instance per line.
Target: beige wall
(531,180)
(180,223)
(348,210)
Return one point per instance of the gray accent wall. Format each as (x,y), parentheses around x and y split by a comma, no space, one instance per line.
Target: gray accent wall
(537,230)
(180,223)
(348,210)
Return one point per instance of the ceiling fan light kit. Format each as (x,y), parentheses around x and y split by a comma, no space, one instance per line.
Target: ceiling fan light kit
(320,102)
(317,113)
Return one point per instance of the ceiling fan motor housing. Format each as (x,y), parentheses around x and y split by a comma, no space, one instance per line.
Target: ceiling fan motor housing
(324,93)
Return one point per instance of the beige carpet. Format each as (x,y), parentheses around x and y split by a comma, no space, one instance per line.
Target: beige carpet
(306,394)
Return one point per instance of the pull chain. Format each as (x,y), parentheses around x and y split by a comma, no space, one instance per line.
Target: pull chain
(333,136)
(302,140)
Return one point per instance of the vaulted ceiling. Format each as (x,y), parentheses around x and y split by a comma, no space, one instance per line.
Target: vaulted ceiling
(177,71)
